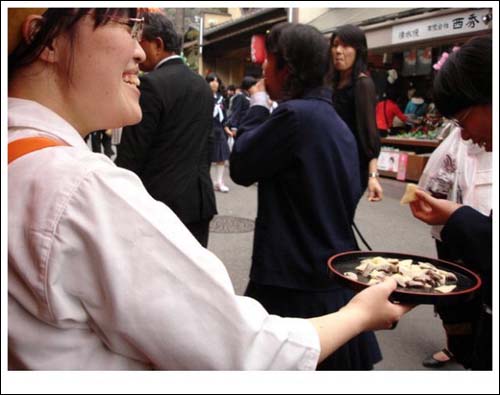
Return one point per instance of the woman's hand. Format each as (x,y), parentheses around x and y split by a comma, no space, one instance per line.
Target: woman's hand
(373,308)
(375,191)
(430,210)
(368,310)
(229,132)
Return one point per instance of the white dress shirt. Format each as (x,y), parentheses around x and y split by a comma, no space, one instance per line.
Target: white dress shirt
(102,276)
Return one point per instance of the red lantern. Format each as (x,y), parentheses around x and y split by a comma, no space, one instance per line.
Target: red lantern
(258,48)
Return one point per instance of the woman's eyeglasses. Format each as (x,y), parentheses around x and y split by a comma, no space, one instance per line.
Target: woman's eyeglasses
(458,122)
(136,25)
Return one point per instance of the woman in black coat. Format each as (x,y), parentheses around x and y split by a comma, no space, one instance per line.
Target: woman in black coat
(354,99)
(304,158)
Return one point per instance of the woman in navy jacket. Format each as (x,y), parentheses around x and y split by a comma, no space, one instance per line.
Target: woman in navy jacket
(306,163)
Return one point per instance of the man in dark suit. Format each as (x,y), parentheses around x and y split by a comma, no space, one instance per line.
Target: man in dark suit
(170,148)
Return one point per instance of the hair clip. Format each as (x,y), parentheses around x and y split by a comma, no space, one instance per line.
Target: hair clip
(444,57)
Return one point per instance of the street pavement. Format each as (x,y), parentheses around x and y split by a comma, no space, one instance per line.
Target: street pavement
(386,226)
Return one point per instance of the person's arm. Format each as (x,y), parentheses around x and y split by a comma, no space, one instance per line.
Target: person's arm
(369,139)
(136,139)
(264,144)
(430,210)
(236,110)
(397,112)
(467,232)
(368,310)
(153,294)
(375,191)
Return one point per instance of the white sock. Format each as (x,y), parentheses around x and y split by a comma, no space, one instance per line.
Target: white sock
(219,173)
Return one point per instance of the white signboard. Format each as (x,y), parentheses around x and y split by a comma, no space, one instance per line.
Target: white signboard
(446,25)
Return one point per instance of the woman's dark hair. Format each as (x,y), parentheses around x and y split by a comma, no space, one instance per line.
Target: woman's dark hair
(157,24)
(56,21)
(248,82)
(465,80)
(304,51)
(390,93)
(214,77)
(355,37)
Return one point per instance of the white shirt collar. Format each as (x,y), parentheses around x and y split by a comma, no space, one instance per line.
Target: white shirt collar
(166,60)
(27,114)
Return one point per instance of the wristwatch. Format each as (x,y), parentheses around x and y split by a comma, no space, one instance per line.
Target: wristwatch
(373,174)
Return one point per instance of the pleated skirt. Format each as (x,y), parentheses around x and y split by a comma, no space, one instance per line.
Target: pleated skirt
(360,353)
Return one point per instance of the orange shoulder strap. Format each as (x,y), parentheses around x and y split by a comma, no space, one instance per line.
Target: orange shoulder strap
(26,145)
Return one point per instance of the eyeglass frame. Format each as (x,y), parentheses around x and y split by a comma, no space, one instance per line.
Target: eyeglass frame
(458,122)
(136,24)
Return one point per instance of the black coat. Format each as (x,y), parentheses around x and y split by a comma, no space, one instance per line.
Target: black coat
(305,160)
(239,108)
(170,148)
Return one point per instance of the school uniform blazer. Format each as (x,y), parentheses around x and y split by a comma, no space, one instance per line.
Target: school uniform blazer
(468,233)
(170,148)
(305,160)
(239,108)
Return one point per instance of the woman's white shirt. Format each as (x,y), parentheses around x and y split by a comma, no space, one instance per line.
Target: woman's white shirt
(102,276)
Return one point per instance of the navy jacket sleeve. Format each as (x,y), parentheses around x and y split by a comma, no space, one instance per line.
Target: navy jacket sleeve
(469,234)
(237,109)
(264,144)
(136,139)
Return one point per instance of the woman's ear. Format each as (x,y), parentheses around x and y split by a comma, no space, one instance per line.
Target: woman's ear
(29,29)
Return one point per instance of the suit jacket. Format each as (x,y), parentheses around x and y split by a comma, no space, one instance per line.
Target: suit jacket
(170,148)
(305,160)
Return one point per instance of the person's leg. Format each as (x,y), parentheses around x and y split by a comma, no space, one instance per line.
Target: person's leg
(106,143)
(95,140)
(200,231)
(441,357)
(219,178)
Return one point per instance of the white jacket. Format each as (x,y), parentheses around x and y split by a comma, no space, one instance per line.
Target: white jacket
(102,276)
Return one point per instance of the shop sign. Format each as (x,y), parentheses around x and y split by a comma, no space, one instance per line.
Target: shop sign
(446,25)
(388,161)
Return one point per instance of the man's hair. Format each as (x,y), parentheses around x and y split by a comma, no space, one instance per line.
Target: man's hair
(157,25)
(465,79)
(304,51)
(248,82)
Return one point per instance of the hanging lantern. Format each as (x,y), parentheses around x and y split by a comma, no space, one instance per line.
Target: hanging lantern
(258,48)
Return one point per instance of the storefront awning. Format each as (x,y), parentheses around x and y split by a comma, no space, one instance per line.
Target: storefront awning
(327,22)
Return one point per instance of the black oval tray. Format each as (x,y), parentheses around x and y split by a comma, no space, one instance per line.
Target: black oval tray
(467,285)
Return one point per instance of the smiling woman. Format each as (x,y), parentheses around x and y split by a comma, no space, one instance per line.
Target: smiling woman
(84,55)
(101,275)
